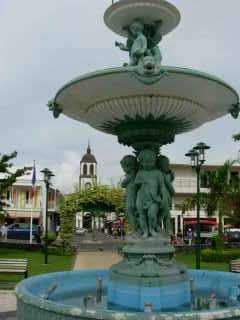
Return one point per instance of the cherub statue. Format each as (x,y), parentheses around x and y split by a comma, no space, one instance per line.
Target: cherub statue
(168,192)
(129,166)
(149,180)
(137,42)
(154,36)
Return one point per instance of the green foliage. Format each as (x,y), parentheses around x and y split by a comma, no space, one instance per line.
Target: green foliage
(217,243)
(60,251)
(51,237)
(36,262)
(98,200)
(210,255)
(223,196)
(68,210)
(9,178)
(2,217)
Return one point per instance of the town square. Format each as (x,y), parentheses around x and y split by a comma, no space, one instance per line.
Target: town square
(120,167)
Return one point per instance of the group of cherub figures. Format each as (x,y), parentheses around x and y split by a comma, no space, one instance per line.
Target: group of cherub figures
(149,187)
(142,45)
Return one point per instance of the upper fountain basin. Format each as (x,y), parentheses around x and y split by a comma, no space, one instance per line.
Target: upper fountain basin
(104,99)
(123,12)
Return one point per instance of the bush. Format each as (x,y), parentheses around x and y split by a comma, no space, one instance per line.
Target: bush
(60,251)
(56,251)
(217,243)
(51,237)
(210,255)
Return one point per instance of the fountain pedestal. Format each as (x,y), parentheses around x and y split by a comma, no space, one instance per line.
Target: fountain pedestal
(148,275)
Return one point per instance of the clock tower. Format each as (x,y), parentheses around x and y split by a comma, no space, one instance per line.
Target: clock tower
(88,170)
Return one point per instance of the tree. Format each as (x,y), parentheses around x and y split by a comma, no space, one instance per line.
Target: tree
(7,177)
(222,195)
(98,200)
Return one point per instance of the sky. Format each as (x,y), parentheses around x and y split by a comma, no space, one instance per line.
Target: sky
(46,43)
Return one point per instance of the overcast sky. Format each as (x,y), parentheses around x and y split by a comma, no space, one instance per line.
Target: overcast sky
(46,43)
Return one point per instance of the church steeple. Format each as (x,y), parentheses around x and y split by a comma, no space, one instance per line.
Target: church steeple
(88,169)
(88,148)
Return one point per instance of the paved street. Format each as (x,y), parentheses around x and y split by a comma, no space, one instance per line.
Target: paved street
(7,305)
(96,260)
(85,243)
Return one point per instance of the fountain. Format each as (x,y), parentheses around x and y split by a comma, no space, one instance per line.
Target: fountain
(145,104)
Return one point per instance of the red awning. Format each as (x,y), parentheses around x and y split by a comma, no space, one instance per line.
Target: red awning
(194,222)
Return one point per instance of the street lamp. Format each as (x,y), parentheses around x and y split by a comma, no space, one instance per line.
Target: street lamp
(197,157)
(47,174)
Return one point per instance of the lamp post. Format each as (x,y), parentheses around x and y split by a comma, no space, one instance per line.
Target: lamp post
(47,174)
(197,157)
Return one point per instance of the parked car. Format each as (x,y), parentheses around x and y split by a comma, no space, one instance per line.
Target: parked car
(80,231)
(232,236)
(21,231)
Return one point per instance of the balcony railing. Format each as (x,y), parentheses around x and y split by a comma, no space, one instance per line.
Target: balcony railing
(185,185)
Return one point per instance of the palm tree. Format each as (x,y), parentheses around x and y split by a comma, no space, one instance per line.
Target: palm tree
(222,196)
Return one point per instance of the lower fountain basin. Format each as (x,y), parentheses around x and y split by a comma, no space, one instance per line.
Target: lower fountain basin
(72,295)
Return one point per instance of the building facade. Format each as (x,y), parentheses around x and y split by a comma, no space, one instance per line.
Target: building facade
(185,185)
(88,170)
(22,203)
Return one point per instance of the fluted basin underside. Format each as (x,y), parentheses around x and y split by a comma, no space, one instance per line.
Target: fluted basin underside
(107,99)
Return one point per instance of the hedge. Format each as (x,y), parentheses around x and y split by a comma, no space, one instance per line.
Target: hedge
(60,251)
(210,255)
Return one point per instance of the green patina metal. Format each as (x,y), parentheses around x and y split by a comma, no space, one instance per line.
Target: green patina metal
(142,132)
(144,53)
(147,78)
(170,71)
(235,110)
(55,108)
(148,260)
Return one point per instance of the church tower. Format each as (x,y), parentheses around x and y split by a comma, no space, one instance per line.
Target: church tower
(88,170)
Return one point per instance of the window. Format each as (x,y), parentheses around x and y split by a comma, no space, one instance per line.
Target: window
(8,195)
(179,223)
(28,197)
(204,179)
(91,169)
(85,169)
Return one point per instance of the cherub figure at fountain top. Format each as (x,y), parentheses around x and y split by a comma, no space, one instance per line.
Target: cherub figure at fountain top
(137,42)
(142,45)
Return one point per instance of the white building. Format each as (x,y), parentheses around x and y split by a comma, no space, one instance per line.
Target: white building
(185,185)
(21,204)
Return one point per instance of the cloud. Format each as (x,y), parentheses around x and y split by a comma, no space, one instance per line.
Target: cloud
(67,172)
(44,44)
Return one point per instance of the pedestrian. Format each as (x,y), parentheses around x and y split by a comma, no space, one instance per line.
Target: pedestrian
(39,234)
(58,229)
(4,231)
(189,237)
